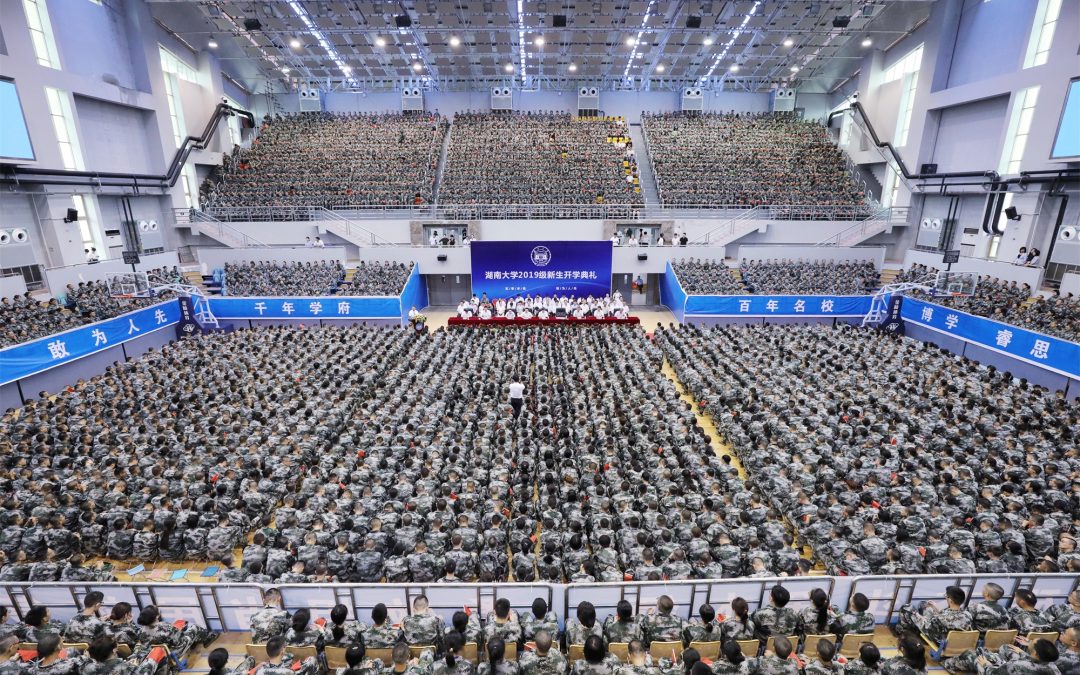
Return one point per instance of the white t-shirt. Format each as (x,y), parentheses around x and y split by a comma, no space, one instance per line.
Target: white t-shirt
(517,390)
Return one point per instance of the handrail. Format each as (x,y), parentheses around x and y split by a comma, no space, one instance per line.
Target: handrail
(348,225)
(38,176)
(192,216)
(885,214)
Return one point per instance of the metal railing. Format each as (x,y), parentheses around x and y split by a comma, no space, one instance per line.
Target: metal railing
(635,212)
(868,227)
(212,227)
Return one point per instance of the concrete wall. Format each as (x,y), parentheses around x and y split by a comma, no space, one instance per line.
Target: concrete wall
(12,285)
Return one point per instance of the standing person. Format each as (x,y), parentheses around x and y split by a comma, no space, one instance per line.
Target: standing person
(517,395)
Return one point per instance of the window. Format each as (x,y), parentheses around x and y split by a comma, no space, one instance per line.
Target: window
(910,63)
(64,126)
(171,63)
(1042,33)
(234,123)
(188,182)
(1023,113)
(89,224)
(906,70)
(176,113)
(41,34)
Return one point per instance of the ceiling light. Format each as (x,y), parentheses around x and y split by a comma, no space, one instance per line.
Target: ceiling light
(708,42)
(788,42)
(455,41)
(734,68)
(867,42)
(212,44)
(294,43)
(509,67)
(573,68)
(284,71)
(417,66)
(379,42)
(659,67)
(794,69)
(347,70)
(630,42)
(539,42)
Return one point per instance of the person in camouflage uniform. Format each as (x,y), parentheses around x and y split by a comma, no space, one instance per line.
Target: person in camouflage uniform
(75,570)
(51,659)
(776,618)
(1065,616)
(278,663)
(502,623)
(936,623)
(660,625)
(822,663)
(271,620)
(776,662)
(1007,660)
(381,634)
(178,639)
(497,663)
(583,625)
(37,624)
(597,661)
(422,627)
(1024,616)
(341,631)
(857,620)
(47,569)
(103,660)
(218,661)
(623,626)
(10,663)
(732,661)
(302,631)
(704,627)
(121,628)
(818,616)
(739,626)
(911,659)
(1069,651)
(86,625)
(451,664)
(539,619)
(367,564)
(543,660)
(989,615)
(867,663)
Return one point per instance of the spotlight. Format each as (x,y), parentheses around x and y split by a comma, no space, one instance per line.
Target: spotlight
(659,67)
(379,42)
(630,41)
(294,43)
(509,67)
(212,44)
(417,66)
(733,68)
(794,69)
(789,42)
(455,41)
(539,41)
(867,42)
(573,68)
(284,71)
(708,42)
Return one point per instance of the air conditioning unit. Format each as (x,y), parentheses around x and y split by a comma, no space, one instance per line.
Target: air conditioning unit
(783,100)
(692,99)
(5,237)
(20,236)
(502,98)
(588,98)
(1068,233)
(412,99)
(310,100)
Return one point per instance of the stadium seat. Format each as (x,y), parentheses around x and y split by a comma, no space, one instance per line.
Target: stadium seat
(416,650)
(794,639)
(1049,637)
(384,654)
(620,650)
(707,650)
(996,638)
(471,653)
(849,648)
(301,652)
(576,653)
(335,657)
(666,650)
(750,648)
(511,653)
(810,643)
(956,643)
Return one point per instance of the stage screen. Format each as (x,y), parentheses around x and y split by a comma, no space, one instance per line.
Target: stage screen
(14,138)
(507,268)
(1067,143)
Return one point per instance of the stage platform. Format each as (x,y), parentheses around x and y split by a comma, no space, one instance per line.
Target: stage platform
(590,321)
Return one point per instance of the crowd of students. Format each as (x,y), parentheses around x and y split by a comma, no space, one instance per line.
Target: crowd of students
(24,318)
(776,277)
(750,159)
(1009,302)
(329,160)
(538,158)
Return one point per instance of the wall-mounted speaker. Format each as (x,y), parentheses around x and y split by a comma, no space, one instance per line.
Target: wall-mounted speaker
(144,226)
(558,21)
(72,216)
(20,236)
(412,99)
(502,98)
(642,256)
(310,100)
(928,168)
(783,100)
(1011,213)
(1068,234)
(5,237)
(153,225)
(441,257)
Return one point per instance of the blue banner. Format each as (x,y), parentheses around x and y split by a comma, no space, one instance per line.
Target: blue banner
(1047,352)
(26,359)
(414,294)
(777,305)
(326,307)
(503,269)
(672,295)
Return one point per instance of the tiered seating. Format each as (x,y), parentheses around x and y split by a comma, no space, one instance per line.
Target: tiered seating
(776,277)
(1011,303)
(261,278)
(707,277)
(329,160)
(378,278)
(24,319)
(746,159)
(538,158)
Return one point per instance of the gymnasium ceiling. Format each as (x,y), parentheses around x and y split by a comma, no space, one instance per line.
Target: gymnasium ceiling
(747,45)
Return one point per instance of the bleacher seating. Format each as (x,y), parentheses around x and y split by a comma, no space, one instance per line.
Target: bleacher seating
(538,158)
(331,160)
(262,278)
(776,277)
(748,159)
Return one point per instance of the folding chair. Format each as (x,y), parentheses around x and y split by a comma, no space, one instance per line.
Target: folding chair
(668,650)
(849,647)
(511,653)
(749,647)
(707,650)
(335,657)
(956,643)
(995,639)
(257,652)
(123,650)
(811,642)
(471,653)
(1050,637)
(620,650)
(576,653)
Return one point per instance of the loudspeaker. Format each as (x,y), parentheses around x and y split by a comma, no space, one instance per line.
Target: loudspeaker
(403,21)
(1068,233)
(442,257)
(642,256)
(72,216)
(693,21)
(928,168)
(252,24)
(558,21)
(841,21)
(1011,213)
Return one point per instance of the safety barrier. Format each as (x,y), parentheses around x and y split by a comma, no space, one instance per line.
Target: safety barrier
(221,606)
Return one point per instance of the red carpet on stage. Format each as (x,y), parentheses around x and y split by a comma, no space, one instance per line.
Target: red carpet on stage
(458,321)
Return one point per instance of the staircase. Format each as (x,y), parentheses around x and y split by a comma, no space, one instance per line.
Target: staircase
(644,164)
(346,229)
(203,223)
(750,220)
(881,221)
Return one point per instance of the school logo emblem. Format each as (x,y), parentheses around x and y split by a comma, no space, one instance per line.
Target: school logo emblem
(540,256)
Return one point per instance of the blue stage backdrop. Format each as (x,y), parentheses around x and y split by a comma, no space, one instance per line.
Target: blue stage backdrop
(777,305)
(22,360)
(507,268)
